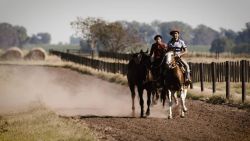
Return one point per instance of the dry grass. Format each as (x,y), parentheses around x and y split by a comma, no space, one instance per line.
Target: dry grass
(110,60)
(39,123)
(235,88)
(1,52)
(220,94)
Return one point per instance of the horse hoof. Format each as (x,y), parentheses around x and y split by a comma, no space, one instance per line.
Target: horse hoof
(182,116)
(147,113)
(170,117)
(143,116)
(185,109)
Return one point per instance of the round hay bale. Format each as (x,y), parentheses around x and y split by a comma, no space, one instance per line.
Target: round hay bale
(36,54)
(12,53)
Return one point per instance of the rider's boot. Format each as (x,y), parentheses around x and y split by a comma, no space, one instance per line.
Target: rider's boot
(187,77)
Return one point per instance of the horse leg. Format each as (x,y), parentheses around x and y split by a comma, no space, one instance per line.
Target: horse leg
(153,97)
(163,96)
(157,95)
(183,97)
(176,99)
(132,89)
(140,92)
(170,116)
(148,102)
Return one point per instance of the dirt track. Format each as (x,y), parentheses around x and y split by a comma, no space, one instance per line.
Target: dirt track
(75,95)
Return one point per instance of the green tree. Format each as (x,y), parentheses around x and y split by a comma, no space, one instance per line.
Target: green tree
(228,33)
(185,30)
(204,35)
(40,38)
(221,45)
(145,31)
(8,36)
(113,36)
(22,35)
(44,37)
(243,48)
(244,36)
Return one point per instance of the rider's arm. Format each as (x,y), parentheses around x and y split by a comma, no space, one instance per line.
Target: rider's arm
(183,52)
(184,48)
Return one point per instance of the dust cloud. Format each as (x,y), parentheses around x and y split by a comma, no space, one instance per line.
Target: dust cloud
(64,91)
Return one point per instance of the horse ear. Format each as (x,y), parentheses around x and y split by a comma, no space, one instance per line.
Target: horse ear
(141,51)
(147,51)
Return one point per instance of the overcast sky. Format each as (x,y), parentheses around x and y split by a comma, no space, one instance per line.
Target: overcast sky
(54,16)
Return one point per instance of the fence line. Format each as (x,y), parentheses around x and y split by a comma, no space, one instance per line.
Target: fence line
(113,55)
(205,72)
(238,71)
(93,63)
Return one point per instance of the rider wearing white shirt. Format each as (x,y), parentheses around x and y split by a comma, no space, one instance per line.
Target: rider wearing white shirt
(180,48)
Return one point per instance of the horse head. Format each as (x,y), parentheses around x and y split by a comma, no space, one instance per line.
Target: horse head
(141,58)
(145,58)
(170,59)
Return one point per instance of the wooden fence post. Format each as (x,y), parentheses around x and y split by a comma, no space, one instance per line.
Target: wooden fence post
(213,77)
(227,80)
(191,69)
(243,80)
(201,77)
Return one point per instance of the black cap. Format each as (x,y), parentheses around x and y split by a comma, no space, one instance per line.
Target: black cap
(156,36)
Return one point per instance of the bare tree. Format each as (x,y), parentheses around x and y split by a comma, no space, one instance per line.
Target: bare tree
(83,28)
(110,36)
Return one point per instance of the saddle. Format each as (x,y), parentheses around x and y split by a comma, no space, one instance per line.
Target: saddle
(180,64)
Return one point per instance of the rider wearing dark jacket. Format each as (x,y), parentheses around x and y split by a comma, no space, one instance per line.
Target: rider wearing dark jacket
(158,49)
(157,53)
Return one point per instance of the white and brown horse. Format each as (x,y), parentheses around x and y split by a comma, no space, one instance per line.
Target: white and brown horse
(174,83)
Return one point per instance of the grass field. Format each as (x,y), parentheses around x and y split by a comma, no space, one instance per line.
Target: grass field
(235,88)
(40,124)
(235,91)
(198,48)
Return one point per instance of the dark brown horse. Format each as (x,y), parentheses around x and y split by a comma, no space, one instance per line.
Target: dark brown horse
(139,76)
(174,82)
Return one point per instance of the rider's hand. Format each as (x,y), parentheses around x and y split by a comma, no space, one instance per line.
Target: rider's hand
(177,55)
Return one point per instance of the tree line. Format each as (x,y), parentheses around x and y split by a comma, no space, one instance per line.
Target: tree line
(230,41)
(13,35)
(123,36)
